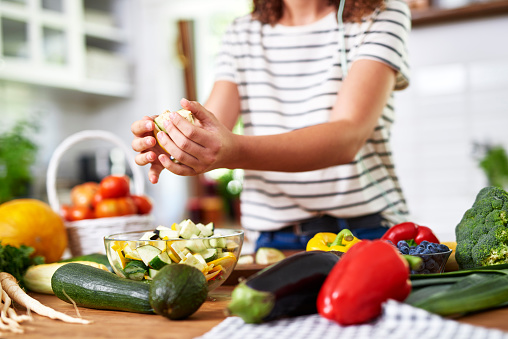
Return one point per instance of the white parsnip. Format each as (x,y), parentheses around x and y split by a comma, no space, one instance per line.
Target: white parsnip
(13,290)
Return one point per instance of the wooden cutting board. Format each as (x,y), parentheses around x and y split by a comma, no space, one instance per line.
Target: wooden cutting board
(123,325)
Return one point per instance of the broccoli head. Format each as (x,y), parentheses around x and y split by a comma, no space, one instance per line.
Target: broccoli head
(482,233)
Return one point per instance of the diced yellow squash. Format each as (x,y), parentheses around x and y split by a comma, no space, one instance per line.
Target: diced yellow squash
(119,245)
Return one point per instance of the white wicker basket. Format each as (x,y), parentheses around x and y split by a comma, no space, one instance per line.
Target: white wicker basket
(87,236)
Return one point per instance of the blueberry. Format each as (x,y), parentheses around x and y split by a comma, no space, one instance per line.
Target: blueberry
(432,246)
(432,265)
(442,248)
(424,243)
(402,243)
(427,251)
(404,250)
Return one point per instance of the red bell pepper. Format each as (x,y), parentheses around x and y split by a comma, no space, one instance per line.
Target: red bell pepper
(370,273)
(410,231)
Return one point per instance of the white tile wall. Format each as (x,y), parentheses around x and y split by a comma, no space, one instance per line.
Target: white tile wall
(458,95)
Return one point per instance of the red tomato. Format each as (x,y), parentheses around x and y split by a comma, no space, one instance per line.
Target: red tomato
(143,203)
(79,213)
(114,186)
(82,195)
(115,207)
(64,211)
(96,199)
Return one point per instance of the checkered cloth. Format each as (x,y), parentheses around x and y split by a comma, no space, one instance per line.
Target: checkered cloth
(399,320)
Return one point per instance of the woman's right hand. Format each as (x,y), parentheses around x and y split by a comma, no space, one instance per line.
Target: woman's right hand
(144,142)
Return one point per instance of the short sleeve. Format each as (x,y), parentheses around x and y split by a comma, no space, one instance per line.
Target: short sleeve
(225,63)
(385,39)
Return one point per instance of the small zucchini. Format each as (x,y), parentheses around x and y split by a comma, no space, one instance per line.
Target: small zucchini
(177,291)
(94,288)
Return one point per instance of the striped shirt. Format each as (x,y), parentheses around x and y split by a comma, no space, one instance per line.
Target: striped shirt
(288,78)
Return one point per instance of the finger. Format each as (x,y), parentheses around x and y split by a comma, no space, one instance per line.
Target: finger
(185,136)
(143,127)
(199,112)
(176,168)
(154,173)
(174,151)
(145,158)
(142,144)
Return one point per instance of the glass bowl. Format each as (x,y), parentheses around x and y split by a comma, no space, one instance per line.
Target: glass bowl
(432,263)
(136,259)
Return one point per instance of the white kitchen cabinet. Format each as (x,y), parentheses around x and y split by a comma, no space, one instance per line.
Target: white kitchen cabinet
(81,45)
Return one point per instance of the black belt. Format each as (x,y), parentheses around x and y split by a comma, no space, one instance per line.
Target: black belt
(327,223)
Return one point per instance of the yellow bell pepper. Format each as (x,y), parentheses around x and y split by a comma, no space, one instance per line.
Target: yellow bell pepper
(326,241)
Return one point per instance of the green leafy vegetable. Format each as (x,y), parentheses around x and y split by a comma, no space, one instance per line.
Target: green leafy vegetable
(16,260)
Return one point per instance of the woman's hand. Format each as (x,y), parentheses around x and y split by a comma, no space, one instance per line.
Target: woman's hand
(198,149)
(145,143)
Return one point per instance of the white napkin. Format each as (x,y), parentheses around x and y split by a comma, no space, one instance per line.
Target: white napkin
(398,320)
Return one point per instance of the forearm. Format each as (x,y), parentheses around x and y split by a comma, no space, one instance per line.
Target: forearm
(306,149)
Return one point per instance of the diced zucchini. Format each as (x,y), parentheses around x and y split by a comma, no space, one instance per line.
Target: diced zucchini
(162,228)
(135,270)
(204,231)
(231,245)
(147,253)
(196,245)
(168,234)
(188,229)
(131,254)
(200,258)
(268,256)
(211,227)
(218,242)
(159,244)
(192,260)
(152,273)
(147,236)
(161,260)
(245,260)
(210,254)
(180,249)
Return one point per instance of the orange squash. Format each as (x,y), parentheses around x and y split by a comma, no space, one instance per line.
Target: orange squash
(33,223)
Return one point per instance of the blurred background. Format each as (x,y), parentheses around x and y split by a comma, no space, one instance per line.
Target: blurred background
(73,65)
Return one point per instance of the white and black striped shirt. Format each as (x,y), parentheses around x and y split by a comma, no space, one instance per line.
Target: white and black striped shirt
(288,78)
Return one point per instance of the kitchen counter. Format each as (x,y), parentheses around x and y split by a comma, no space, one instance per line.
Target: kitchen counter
(112,324)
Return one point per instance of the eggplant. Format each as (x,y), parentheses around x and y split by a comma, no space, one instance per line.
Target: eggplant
(285,289)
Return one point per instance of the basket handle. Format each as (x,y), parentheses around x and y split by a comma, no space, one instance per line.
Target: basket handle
(77,138)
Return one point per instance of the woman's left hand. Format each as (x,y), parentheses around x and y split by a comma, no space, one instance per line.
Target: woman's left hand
(197,148)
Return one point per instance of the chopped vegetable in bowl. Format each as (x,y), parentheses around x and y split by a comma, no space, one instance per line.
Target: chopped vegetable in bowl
(140,255)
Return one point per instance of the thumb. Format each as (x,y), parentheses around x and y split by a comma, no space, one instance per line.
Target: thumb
(199,112)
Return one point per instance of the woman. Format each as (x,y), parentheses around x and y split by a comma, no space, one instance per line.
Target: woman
(316,143)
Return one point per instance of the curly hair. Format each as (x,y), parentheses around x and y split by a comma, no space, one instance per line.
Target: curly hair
(270,11)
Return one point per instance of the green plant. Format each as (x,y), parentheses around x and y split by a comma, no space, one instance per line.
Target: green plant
(495,166)
(17,154)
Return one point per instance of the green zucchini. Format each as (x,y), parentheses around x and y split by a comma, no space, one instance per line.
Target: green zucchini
(94,288)
(177,291)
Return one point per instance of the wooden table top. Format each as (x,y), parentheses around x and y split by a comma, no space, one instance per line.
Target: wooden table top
(113,324)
